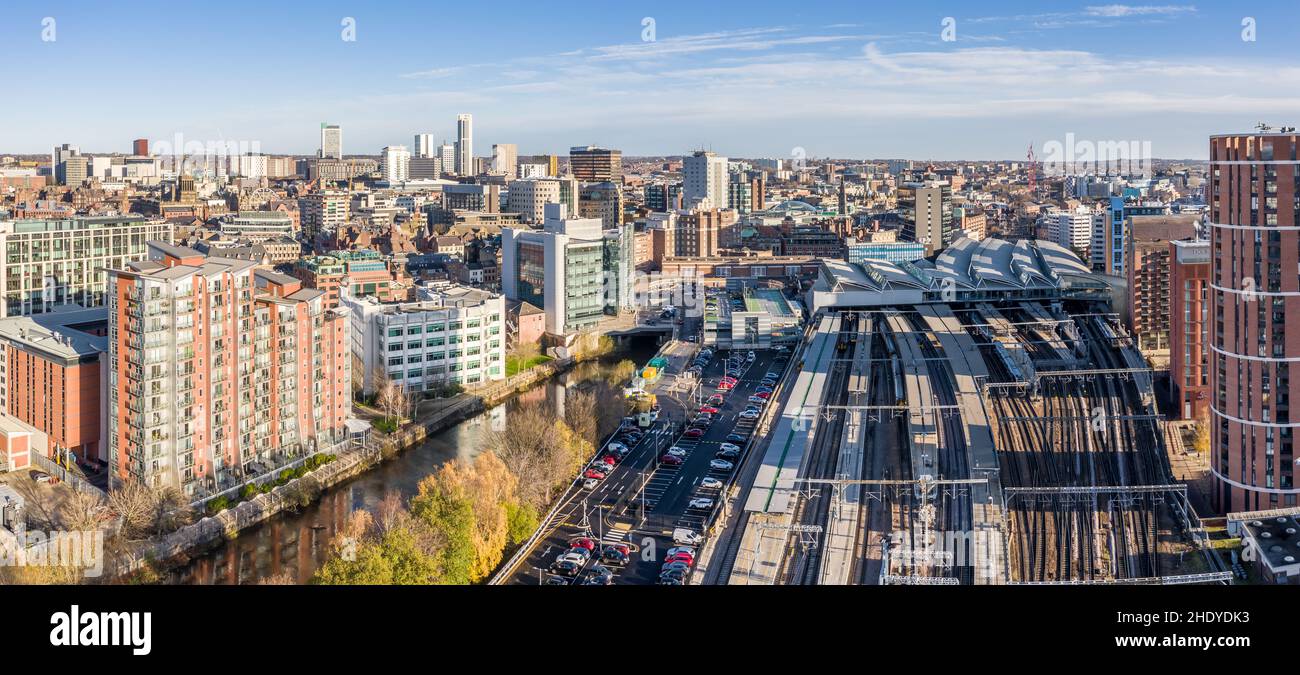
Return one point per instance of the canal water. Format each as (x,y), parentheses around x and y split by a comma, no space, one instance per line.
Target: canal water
(297,543)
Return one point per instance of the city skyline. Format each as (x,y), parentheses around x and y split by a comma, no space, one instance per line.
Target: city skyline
(668,78)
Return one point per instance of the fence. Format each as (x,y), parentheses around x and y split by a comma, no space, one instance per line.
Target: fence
(54,469)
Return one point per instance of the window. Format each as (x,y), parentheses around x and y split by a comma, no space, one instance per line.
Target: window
(395,361)
(394,332)
(414,330)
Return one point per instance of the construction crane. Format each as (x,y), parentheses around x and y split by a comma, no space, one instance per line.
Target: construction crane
(1033,171)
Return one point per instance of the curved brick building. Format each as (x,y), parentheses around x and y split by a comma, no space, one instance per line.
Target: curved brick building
(1254,195)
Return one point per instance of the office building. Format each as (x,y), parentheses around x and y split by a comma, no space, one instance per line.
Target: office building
(140,147)
(890,251)
(560,269)
(704,181)
(529,197)
(1189,328)
(1118,211)
(505,159)
(50,263)
(591,164)
(321,211)
(927,214)
(1071,229)
(363,272)
(257,226)
(396,163)
(465,145)
(452,334)
(331,141)
(472,197)
(219,372)
(423,146)
(1254,196)
(603,201)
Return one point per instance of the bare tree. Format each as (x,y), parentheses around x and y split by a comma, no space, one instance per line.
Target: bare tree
(83,510)
(133,502)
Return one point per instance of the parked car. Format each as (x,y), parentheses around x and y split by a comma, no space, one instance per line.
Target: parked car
(729,447)
(711,483)
(594,473)
(721,465)
(671,460)
(568,568)
(756,399)
(686,537)
(694,432)
(700,503)
(590,483)
(735,438)
(583,542)
(709,410)
(677,452)
(727,454)
(618,447)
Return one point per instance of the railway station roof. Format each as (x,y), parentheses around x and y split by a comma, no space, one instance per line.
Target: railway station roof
(974,270)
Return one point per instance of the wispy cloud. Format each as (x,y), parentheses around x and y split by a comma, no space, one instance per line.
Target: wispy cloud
(1138,10)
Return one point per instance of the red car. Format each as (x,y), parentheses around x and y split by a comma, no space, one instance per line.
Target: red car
(593,473)
(609,459)
(725,387)
(764,394)
(709,410)
(691,433)
(670,460)
(728,380)
(583,542)
(680,557)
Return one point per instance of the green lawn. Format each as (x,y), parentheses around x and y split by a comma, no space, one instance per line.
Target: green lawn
(514,364)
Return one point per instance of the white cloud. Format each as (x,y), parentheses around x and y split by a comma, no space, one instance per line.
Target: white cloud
(1138,10)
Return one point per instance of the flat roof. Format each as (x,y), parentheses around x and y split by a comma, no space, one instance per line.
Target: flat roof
(58,333)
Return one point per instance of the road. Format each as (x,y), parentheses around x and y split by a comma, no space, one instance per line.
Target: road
(641,500)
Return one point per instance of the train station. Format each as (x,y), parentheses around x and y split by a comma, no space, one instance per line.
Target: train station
(981,418)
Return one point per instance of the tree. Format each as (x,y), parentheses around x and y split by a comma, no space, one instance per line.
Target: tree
(133,502)
(83,510)
(1201,444)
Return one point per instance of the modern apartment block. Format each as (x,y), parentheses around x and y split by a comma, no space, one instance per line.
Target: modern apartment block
(1148,276)
(704,181)
(1118,213)
(927,214)
(452,334)
(1189,327)
(50,263)
(1254,195)
(591,164)
(560,270)
(51,377)
(219,372)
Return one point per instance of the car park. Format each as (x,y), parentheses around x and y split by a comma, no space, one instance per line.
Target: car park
(700,503)
(711,483)
(721,465)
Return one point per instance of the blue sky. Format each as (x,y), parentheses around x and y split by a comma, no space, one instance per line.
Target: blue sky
(758,78)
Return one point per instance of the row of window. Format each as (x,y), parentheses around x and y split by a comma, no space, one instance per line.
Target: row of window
(417,329)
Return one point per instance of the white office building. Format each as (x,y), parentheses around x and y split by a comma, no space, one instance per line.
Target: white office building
(1071,229)
(452,334)
(331,141)
(704,181)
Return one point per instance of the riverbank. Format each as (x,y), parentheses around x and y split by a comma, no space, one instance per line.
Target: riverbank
(201,539)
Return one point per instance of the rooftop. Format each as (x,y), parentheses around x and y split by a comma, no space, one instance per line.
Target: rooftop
(61,333)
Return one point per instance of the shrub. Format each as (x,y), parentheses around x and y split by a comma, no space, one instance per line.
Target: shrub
(218,505)
(249,491)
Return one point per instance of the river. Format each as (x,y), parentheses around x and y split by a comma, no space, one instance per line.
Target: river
(297,543)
